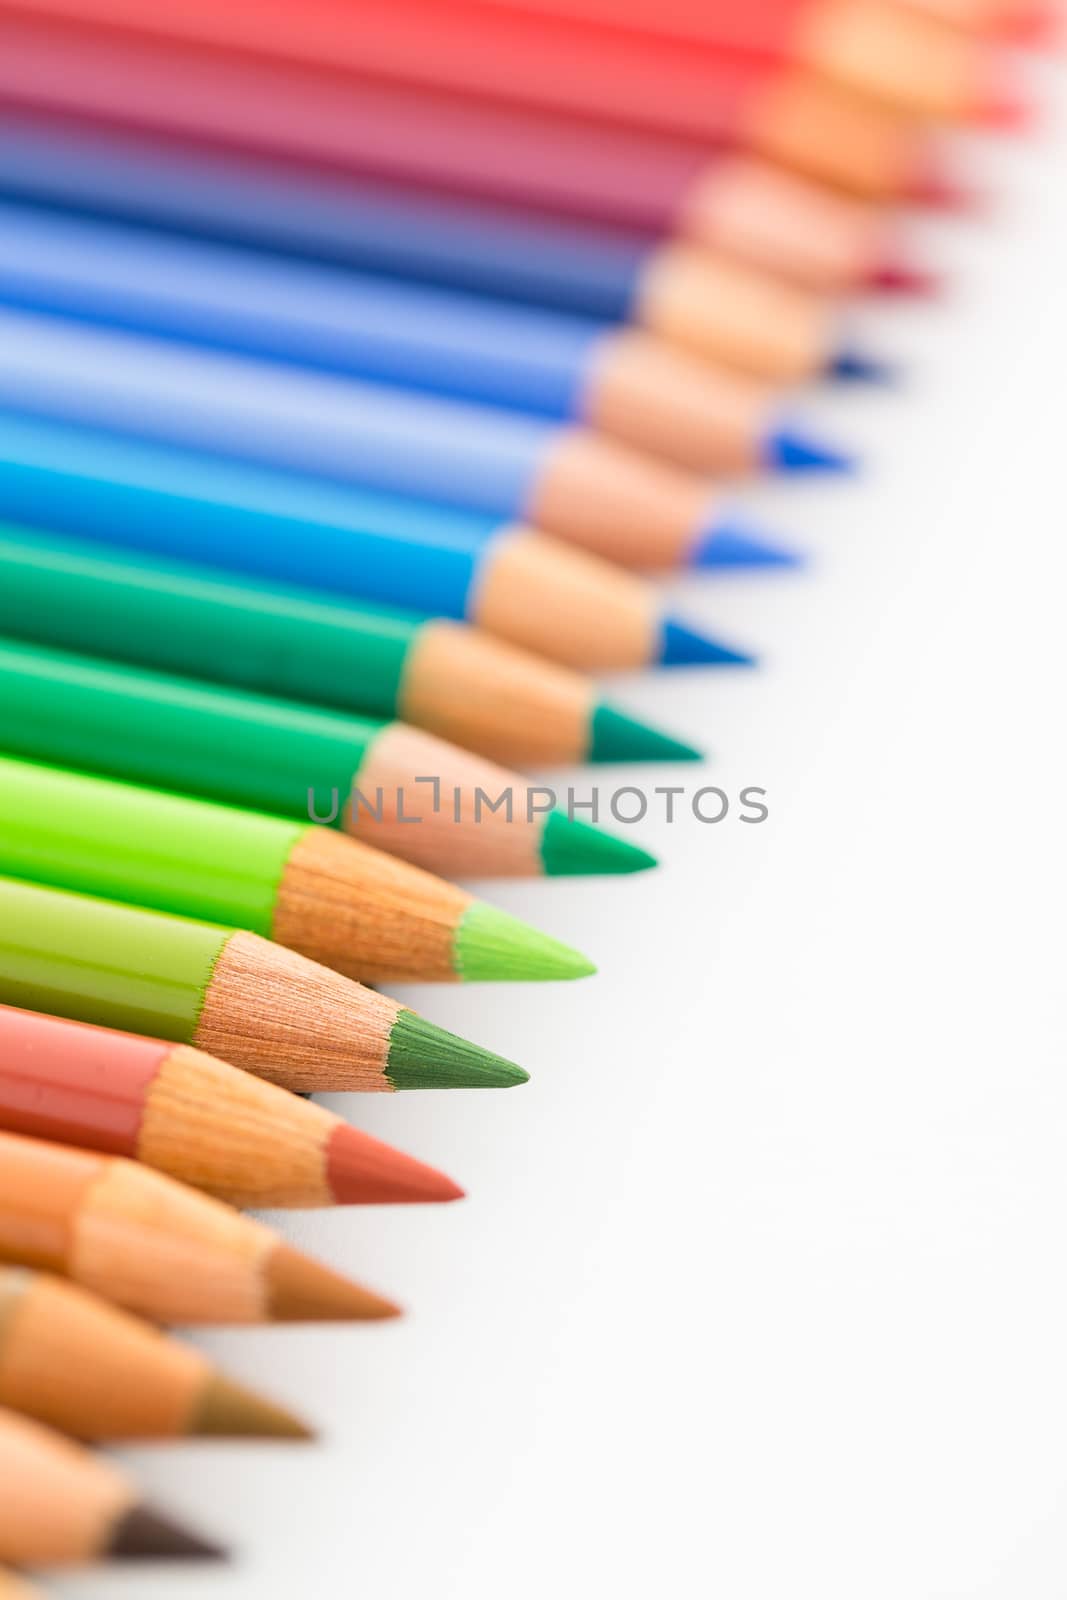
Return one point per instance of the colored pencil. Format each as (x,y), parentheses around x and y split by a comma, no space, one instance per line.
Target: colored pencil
(709,303)
(612,75)
(664,188)
(1014,20)
(332,899)
(920,65)
(442,676)
(609,273)
(256,1004)
(576,485)
(371,779)
(157,1248)
(62,1506)
(519,585)
(74,1362)
(618,381)
(194,1117)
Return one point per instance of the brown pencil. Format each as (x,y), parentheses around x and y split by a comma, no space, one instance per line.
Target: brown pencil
(154,1246)
(72,1361)
(194,1117)
(63,1506)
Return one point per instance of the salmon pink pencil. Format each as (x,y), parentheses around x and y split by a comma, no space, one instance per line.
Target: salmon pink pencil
(191,1115)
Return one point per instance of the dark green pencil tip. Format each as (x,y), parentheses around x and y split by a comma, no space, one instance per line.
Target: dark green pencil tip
(617,737)
(424,1056)
(570,847)
(494,947)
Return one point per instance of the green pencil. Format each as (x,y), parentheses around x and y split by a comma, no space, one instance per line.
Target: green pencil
(383,782)
(231,993)
(334,900)
(438,675)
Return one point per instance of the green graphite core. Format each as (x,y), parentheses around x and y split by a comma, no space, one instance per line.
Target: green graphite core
(570,846)
(424,1056)
(617,737)
(494,947)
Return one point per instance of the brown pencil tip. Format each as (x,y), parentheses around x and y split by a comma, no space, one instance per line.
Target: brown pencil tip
(364,1171)
(227,1410)
(302,1290)
(146,1535)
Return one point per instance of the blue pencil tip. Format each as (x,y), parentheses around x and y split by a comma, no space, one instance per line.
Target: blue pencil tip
(682,647)
(852,366)
(730,546)
(786,451)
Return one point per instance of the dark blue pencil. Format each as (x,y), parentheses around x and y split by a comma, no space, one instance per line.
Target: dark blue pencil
(623,382)
(614,274)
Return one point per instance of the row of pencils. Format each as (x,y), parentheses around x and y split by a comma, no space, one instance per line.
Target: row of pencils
(358,364)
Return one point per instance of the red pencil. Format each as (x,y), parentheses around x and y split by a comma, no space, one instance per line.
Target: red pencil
(55,54)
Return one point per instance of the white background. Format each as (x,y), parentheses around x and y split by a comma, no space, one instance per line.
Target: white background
(759,1291)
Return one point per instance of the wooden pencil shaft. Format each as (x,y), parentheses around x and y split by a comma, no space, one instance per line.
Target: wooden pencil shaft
(60,1504)
(669,86)
(368,778)
(76,1363)
(295,529)
(154,1246)
(251,1002)
(450,679)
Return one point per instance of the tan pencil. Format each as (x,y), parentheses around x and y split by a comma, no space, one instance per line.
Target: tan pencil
(60,1505)
(152,1245)
(76,1363)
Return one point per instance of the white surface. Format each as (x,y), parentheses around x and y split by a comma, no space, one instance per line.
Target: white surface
(759,1290)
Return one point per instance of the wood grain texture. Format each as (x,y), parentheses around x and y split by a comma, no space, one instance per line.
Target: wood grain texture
(367,914)
(228,1133)
(292,1021)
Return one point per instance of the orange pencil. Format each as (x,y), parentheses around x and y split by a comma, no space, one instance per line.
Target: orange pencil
(70,1360)
(153,1246)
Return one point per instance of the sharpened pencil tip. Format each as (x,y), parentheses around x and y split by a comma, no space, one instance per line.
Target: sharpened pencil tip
(364,1171)
(571,848)
(492,946)
(1003,111)
(900,277)
(424,1056)
(939,192)
(227,1410)
(730,545)
(302,1290)
(855,366)
(682,646)
(618,737)
(790,451)
(146,1535)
